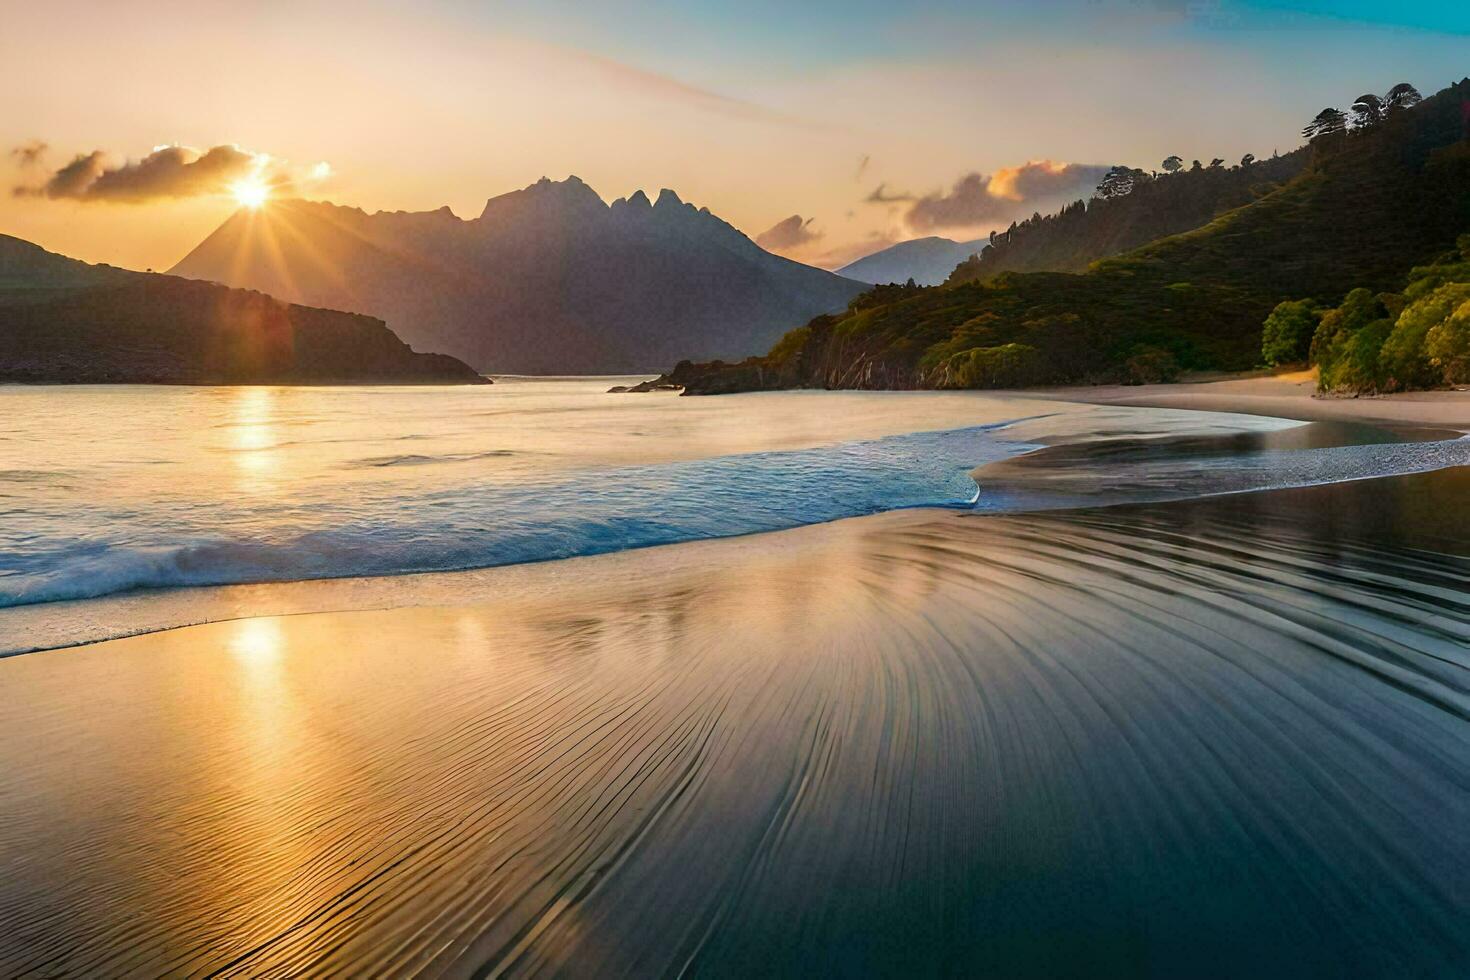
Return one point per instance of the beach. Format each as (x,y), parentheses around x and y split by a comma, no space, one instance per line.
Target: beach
(1198,731)
(1289,395)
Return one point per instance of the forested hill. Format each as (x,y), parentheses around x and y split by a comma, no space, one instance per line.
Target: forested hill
(1135,207)
(65,321)
(1371,202)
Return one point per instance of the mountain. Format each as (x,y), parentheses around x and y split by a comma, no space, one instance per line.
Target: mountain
(62,320)
(547,280)
(927,261)
(1369,204)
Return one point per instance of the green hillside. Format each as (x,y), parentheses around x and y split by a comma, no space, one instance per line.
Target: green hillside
(1139,207)
(1371,203)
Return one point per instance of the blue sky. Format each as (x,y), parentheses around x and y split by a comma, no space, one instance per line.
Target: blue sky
(761,110)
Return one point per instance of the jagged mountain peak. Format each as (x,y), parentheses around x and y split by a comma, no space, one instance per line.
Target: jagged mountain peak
(548,279)
(546,195)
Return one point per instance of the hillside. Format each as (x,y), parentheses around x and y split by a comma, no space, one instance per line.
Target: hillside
(927,261)
(1370,204)
(66,321)
(1156,206)
(547,280)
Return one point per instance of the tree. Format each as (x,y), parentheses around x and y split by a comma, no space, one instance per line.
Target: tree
(1172,165)
(1367,111)
(1117,182)
(1448,345)
(1248,159)
(1401,96)
(1347,341)
(1406,360)
(1196,165)
(1287,333)
(1328,122)
(1216,163)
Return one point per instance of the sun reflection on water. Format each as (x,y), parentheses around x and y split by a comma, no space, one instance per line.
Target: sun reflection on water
(256,644)
(253,435)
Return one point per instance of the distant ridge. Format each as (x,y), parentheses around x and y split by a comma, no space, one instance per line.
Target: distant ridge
(548,279)
(927,261)
(65,321)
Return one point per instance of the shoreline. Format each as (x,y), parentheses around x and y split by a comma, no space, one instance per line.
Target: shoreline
(534,769)
(1061,442)
(1288,395)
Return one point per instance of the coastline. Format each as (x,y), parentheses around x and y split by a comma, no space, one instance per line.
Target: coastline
(1082,453)
(1281,396)
(528,769)
(523,767)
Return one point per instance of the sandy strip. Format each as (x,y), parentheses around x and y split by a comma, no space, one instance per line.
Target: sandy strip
(1291,396)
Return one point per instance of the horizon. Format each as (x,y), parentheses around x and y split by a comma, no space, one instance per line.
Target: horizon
(863,125)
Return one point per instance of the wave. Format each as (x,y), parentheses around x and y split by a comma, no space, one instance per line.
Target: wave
(420,459)
(597,511)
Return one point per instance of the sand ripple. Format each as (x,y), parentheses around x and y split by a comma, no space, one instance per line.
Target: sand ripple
(1143,741)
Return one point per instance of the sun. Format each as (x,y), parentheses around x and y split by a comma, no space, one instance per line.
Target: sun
(251,192)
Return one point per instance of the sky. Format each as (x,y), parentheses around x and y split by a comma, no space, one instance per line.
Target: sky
(823,129)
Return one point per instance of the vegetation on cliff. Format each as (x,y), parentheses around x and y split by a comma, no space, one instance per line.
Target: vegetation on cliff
(1373,200)
(1132,208)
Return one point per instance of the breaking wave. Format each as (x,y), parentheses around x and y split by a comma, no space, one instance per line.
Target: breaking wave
(100,550)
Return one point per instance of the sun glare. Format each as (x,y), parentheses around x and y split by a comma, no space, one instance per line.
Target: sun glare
(251,192)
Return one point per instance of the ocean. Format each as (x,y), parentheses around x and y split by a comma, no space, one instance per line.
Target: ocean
(113,490)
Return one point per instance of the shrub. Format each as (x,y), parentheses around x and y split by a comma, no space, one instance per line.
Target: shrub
(1355,365)
(1006,366)
(1405,358)
(1286,336)
(1147,365)
(1447,344)
(790,345)
(1334,342)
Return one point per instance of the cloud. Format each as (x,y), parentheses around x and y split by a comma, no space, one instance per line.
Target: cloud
(167,172)
(29,153)
(976,199)
(1045,178)
(788,235)
(880,195)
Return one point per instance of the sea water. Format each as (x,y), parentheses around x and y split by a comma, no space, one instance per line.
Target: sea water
(106,489)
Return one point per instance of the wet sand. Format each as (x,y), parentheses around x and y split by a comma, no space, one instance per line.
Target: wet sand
(1223,737)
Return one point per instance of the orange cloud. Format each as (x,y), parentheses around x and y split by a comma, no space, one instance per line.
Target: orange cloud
(167,172)
(976,199)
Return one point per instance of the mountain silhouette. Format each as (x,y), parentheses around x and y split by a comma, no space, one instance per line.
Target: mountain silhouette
(927,261)
(547,280)
(62,320)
